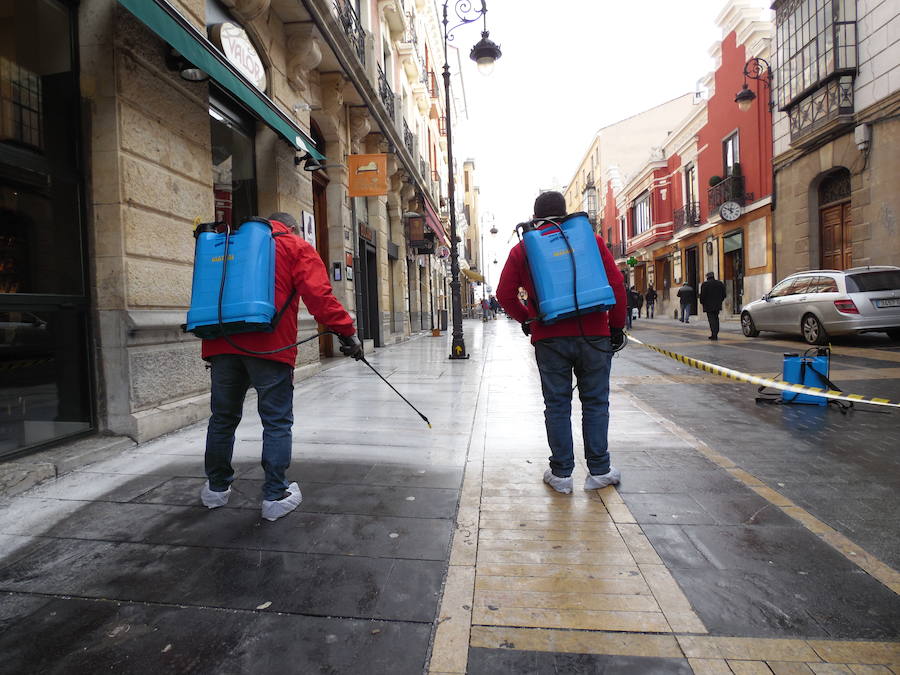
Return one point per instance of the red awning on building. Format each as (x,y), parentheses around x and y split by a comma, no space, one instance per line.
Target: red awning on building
(434,222)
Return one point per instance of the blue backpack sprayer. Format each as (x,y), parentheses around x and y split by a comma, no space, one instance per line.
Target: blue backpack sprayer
(567,269)
(233,289)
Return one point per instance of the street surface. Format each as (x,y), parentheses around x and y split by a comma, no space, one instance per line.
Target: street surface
(745,537)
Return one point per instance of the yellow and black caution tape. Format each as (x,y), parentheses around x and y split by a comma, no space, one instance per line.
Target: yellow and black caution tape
(738,376)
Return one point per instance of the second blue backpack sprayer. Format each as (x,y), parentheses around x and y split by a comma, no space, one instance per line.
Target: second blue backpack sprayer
(233,289)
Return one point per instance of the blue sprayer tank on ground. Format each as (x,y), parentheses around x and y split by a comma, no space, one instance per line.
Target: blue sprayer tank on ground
(248,300)
(551,257)
(809,371)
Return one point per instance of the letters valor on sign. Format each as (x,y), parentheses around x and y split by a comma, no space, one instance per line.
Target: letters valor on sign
(237,48)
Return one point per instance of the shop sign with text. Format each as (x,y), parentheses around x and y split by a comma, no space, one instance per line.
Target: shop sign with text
(237,48)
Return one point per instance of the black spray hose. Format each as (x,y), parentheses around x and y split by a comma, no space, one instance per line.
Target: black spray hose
(363,359)
(295,344)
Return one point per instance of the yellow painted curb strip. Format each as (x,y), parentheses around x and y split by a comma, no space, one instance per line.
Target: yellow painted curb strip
(739,376)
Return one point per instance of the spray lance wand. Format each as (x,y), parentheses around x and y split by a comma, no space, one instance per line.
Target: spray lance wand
(295,344)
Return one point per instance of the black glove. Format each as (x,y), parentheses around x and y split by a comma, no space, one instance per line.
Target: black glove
(526,328)
(616,338)
(350,346)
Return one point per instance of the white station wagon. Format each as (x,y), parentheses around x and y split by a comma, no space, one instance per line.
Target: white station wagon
(819,303)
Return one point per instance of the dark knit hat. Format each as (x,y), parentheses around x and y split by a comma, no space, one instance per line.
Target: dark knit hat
(549,204)
(710,275)
(287,219)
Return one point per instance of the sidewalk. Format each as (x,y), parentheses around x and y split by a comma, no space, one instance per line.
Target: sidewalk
(437,549)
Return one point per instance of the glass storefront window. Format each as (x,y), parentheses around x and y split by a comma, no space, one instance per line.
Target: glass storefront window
(45,373)
(234,172)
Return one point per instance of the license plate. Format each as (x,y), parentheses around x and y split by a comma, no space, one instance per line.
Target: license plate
(888,302)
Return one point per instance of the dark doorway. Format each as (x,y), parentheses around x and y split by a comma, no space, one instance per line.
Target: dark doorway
(692,274)
(734,278)
(320,214)
(368,280)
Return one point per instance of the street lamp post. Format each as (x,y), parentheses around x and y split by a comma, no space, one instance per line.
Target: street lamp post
(484,53)
(759,69)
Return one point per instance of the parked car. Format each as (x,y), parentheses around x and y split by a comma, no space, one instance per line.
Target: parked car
(819,303)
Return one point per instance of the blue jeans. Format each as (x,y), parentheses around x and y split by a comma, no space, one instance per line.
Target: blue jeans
(232,375)
(685,313)
(557,359)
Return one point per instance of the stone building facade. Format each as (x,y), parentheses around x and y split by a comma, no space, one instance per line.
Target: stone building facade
(837,136)
(129,147)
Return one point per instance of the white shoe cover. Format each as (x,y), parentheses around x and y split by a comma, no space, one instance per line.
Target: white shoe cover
(563,485)
(276,509)
(596,482)
(213,500)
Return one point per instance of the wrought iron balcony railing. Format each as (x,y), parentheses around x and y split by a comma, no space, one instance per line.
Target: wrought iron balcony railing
(592,216)
(686,216)
(408,138)
(356,34)
(433,85)
(423,168)
(617,249)
(730,189)
(385,92)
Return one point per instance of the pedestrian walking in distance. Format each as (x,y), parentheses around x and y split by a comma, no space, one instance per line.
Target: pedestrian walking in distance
(712,295)
(299,273)
(630,304)
(570,345)
(650,300)
(686,297)
(485,309)
(638,301)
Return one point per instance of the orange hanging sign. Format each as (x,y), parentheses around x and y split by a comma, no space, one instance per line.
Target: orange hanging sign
(368,175)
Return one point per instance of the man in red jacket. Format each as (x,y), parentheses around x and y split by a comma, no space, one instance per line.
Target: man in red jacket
(580,344)
(299,273)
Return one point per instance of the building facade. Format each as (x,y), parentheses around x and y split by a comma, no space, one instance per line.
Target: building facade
(125,122)
(698,198)
(837,134)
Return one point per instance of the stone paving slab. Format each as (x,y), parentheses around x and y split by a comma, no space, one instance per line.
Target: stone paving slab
(90,636)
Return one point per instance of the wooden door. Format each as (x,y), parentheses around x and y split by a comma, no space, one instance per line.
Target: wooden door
(834,223)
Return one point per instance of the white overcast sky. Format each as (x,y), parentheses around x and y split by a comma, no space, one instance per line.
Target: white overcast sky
(569,67)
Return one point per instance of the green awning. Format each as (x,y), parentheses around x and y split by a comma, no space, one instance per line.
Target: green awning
(167,23)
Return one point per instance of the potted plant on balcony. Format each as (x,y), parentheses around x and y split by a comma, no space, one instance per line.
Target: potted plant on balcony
(714,180)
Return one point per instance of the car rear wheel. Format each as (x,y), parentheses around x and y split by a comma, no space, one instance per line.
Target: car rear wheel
(812,330)
(748,328)
(894,334)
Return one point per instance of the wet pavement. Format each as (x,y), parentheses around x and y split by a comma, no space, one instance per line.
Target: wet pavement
(744,538)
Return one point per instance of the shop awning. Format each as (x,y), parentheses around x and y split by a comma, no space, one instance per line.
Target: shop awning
(472,275)
(432,220)
(167,23)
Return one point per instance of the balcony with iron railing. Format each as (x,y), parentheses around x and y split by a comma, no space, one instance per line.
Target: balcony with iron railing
(730,189)
(385,92)
(432,84)
(423,168)
(686,216)
(356,34)
(617,248)
(408,139)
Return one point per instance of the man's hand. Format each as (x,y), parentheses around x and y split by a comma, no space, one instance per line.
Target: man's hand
(616,338)
(350,346)
(526,328)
